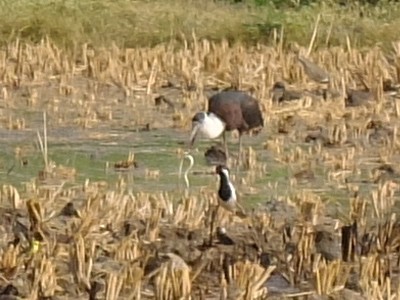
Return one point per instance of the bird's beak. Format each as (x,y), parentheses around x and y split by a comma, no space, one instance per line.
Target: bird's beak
(193,134)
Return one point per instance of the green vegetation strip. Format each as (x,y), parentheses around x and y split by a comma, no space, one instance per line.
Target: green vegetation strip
(129,23)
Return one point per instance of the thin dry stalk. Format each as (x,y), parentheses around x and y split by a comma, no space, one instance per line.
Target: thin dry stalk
(113,286)
(10,194)
(81,262)
(43,146)
(328,35)
(152,77)
(44,279)
(330,277)
(314,35)
(249,279)
(173,280)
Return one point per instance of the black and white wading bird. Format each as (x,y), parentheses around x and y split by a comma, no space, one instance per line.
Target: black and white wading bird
(227,193)
(227,198)
(227,111)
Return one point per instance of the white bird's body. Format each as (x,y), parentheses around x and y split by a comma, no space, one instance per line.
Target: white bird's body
(209,125)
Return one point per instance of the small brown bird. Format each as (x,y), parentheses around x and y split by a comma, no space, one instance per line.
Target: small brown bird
(280,93)
(313,71)
(215,155)
(358,97)
(330,93)
(389,86)
(223,237)
(69,210)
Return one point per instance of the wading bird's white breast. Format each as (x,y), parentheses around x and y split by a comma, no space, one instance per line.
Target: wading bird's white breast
(233,191)
(230,204)
(212,126)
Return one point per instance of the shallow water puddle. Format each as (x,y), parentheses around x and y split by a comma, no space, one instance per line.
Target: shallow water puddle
(90,151)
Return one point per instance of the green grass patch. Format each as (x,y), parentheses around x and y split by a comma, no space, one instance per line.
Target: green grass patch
(145,23)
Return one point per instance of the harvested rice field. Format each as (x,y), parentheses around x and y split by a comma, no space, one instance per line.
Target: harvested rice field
(94,206)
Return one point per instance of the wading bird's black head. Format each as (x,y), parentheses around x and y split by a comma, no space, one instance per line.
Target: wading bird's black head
(220,169)
(209,124)
(199,117)
(197,121)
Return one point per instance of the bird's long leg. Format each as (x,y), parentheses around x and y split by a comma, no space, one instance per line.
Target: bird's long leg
(240,146)
(226,146)
(239,156)
(212,223)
